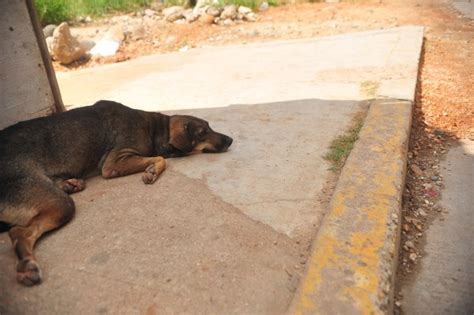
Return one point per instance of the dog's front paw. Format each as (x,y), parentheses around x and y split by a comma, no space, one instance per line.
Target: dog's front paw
(150,175)
(73,185)
(28,272)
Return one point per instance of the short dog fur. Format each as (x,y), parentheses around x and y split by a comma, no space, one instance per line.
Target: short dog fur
(44,160)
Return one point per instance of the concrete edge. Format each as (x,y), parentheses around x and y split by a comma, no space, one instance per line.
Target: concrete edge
(353,262)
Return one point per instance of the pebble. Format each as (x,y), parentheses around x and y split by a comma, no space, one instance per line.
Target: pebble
(409,244)
(244,10)
(413,257)
(427,186)
(416,169)
(263,6)
(406,227)
(150,12)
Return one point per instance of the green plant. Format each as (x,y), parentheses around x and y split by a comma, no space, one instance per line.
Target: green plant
(253,4)
(53,11)
(341,146)
(57,11)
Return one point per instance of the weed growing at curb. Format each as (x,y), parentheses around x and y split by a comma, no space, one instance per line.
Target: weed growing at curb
(341,146)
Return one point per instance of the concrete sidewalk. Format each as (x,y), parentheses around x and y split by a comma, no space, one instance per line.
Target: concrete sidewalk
(226,233)
(445,282)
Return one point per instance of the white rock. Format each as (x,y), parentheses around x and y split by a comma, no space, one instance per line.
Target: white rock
(150,12)
(263,6)
(228,22)
(105,47)
(244,10)
(215,12)
(180,21)
(109,45)
(48,30)
(251,17)
(174,13)
(49,42)
(190,15)
(229,12)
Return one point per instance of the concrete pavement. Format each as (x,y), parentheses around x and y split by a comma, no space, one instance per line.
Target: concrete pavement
(346,67)
(445,282)
(226,233)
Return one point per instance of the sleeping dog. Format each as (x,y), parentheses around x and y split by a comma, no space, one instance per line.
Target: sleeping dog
(44,160)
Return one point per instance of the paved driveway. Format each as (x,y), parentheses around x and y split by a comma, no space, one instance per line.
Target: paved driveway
(223,233)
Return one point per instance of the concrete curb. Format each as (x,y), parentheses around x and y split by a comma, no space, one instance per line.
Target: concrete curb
(353,263)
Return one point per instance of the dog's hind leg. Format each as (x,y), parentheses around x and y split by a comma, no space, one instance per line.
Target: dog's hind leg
(55,209)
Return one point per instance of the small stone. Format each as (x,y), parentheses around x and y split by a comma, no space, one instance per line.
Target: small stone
(263,6)
(229,12)
(48,30)
(244,10)
(416,170)
(173,13)
(228,22)
(422,213)
(398,303)
(410,244)
(190,15)
(406,227)
(150,12)
(427,186)
(215,12)
(49,42)
(180,21)
(412,257)
(88,19)
(251,17)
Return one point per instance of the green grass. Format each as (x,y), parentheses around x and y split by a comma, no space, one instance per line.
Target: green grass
(57,11)
(341,146)
(246,3)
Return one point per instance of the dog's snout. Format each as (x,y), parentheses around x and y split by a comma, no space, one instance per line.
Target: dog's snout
(228,141)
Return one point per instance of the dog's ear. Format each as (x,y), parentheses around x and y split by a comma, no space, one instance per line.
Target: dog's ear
(180,135)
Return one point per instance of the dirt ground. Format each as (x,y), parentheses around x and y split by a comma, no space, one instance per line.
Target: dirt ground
(443,111)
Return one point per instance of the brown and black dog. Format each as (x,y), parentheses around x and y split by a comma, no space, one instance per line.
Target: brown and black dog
(45,159)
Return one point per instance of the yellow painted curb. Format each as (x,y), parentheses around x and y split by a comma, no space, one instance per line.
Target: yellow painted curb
(354,255)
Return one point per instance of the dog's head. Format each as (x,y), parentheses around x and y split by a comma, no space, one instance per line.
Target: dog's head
(189,134)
